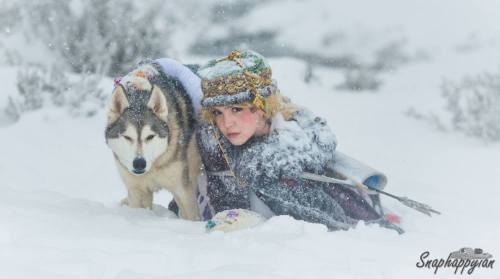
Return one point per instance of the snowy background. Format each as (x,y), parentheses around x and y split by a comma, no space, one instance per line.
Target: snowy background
(412,88)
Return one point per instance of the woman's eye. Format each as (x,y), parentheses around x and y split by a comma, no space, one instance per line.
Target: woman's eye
(216,112)
(127,138)
(150,137)
(236,109)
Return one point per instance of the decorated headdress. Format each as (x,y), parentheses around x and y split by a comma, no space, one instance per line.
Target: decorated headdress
(242,76)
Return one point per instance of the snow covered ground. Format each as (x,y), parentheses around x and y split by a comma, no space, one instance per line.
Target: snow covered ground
(59,189)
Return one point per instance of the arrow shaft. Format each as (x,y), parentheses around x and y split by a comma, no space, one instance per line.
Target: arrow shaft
(352,183)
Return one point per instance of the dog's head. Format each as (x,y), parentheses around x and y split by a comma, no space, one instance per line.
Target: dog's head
(137,130)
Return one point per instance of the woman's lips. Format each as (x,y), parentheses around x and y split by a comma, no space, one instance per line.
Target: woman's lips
(232,135)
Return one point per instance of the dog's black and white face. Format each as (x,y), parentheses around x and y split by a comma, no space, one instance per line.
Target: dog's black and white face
(137,130)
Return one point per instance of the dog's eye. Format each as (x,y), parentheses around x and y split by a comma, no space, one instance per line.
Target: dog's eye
(150,137)
(127,138)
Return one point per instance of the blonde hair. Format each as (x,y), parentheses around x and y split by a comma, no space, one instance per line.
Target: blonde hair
(276,103)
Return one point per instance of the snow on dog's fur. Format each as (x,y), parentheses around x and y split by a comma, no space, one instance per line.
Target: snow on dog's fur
(150,130)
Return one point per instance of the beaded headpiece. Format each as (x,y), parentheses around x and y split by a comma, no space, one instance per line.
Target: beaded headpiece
(242,76)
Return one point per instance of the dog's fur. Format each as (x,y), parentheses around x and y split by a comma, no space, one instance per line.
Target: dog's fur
(151,120)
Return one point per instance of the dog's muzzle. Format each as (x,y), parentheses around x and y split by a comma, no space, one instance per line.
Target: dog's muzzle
(139,165)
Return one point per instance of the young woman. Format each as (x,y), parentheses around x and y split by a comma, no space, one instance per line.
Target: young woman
(255,145)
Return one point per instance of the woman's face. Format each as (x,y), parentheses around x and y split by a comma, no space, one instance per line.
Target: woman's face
(238,123)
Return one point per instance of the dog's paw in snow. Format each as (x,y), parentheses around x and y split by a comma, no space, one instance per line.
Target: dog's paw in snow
(124,202)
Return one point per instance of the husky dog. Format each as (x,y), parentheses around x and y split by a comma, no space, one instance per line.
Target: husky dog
(151,131)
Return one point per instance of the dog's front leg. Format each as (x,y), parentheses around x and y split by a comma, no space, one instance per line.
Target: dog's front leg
(188,211)
(138,198)
(188,206)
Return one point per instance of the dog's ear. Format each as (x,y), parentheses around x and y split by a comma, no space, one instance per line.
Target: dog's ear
(118,104)
(158,103)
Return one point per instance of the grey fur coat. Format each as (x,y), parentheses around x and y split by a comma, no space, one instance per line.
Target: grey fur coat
(269,168)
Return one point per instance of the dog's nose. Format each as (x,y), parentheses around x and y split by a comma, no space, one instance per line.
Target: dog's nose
(139,164)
